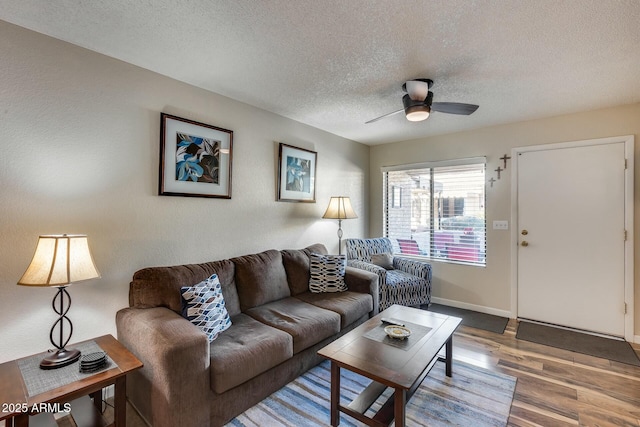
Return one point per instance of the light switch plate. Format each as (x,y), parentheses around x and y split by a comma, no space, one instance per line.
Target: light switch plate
(500,225)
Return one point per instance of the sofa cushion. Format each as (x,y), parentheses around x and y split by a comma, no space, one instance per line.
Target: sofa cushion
(203,305)
(306,323)
(317,248)
(260,279)
(327,273)
(296,264)
(160,286)
(245,350)
(349,305)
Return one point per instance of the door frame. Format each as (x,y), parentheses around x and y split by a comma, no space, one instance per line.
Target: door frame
(628,140)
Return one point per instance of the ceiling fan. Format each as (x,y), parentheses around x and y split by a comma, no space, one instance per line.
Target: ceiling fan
(418,103)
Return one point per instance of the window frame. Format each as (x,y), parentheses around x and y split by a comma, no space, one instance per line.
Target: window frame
(433,166)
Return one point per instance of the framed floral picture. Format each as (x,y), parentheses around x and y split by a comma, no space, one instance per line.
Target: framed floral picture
(296,174)
(195,158)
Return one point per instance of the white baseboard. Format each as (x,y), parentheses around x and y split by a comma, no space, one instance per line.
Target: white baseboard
(478,308)
(636,339)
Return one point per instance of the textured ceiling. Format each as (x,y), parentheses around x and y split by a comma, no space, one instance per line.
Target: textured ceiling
(334,64)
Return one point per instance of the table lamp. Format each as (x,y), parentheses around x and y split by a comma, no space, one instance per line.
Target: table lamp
(339,208)
(59,261)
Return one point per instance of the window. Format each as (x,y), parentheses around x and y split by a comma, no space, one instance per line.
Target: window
(441,213)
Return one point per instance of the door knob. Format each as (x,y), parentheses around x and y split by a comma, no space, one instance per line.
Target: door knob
(524,243)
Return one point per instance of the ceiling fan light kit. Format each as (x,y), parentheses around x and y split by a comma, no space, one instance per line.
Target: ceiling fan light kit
(416,111)
(418,103)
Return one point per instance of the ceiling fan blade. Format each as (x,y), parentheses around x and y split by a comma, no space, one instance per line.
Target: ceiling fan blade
(382,117)
(453,108)
(417,89)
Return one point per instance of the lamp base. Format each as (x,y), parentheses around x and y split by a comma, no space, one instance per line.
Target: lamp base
(60,358)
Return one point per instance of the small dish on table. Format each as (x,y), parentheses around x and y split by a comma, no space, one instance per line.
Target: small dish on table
(397,332)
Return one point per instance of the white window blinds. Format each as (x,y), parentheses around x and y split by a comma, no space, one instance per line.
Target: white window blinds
(437,210)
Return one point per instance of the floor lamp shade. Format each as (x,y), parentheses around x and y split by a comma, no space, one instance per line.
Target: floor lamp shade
(60,260)
(339,208)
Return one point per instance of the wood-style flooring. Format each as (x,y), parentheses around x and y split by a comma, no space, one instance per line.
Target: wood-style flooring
(555,387)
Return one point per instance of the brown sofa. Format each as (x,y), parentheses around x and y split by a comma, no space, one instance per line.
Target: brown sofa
(277,328)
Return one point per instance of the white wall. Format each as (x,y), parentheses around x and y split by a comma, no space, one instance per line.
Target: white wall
(488,289)
(79,134)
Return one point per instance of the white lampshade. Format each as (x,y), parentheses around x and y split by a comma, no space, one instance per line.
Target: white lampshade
(60,260)
(339,208)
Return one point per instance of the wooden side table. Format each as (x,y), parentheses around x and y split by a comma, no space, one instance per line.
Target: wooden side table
(16,403)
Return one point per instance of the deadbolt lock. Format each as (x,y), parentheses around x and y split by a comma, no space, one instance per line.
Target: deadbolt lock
(524,232)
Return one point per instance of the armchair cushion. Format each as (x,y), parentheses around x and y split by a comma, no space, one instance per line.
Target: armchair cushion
(405,289)
(383,260)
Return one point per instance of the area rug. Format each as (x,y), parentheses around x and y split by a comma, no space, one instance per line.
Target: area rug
(474,319)
(473,396)
(606,348)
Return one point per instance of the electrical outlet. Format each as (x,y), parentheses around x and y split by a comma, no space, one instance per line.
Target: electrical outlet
(500,225)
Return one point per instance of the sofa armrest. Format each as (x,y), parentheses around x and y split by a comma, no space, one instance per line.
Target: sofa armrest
(413,267)
(173,387)
(363,281)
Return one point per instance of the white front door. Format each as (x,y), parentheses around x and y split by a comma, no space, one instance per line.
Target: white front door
(571,236)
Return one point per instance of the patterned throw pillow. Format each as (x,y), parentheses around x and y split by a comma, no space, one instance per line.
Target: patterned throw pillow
(327,273)
(203,305)
(383,260)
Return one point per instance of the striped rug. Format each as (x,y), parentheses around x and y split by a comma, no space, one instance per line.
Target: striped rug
(472,397)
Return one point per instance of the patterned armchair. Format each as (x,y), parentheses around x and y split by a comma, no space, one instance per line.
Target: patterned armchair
(407,283)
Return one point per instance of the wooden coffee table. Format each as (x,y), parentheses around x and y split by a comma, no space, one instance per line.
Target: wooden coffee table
(401,365)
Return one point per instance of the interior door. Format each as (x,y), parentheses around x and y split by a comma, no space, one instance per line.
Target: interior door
(570,259)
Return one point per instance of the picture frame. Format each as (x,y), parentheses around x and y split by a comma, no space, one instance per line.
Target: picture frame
(296,174)
(195,158)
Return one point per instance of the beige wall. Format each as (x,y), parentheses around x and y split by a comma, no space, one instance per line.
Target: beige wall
(79,134)
(489,288)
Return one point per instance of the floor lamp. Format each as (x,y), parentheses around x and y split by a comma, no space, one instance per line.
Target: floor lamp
(59,261)
(339,208)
